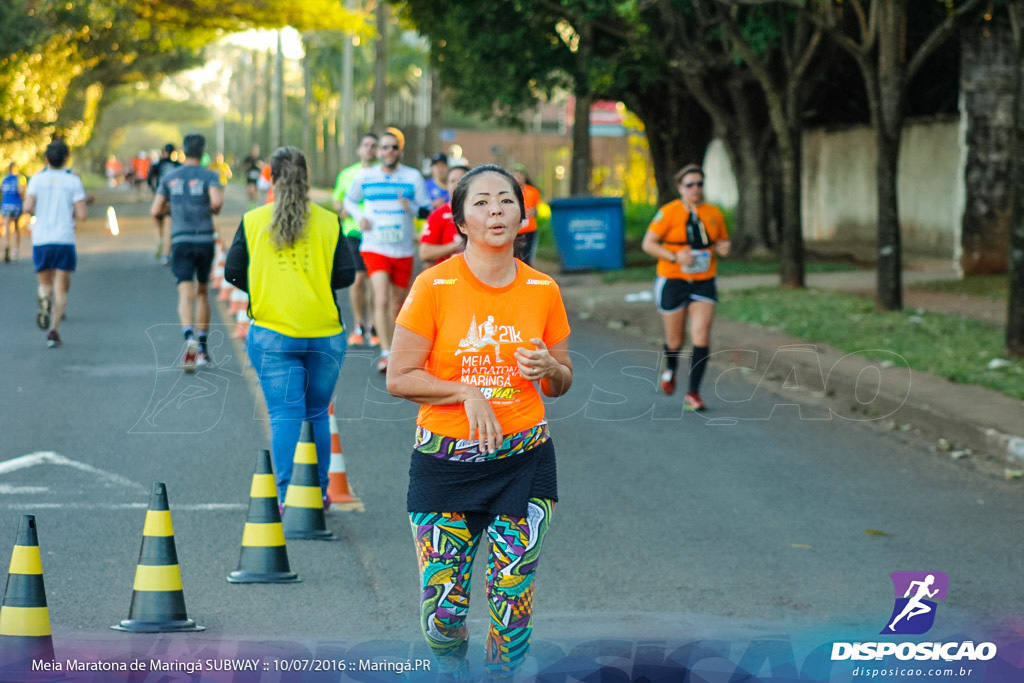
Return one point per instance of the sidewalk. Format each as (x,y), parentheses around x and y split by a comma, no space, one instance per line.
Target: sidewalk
(968,422)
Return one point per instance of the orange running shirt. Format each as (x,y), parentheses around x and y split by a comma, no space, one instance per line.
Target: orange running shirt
(475,330)
(531,200)
(265,176)
(670,225)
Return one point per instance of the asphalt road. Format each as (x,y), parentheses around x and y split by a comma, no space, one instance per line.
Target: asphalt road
(671,527)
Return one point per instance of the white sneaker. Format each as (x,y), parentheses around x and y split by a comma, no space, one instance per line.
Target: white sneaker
(188,359)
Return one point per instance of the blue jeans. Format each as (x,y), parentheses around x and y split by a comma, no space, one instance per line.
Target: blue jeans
(297,376)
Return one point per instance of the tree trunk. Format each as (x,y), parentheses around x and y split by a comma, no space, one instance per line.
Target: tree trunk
(432,135)
(791,239)
(747,232)
(889,275)
(307,102)
(380,69)
(678,132)
(742,136)
(254,80)
(887,110)
(580,167)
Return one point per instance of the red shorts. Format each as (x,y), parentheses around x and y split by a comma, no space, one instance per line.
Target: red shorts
(399,269)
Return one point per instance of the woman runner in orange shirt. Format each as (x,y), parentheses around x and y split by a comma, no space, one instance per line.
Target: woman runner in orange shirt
(479,337)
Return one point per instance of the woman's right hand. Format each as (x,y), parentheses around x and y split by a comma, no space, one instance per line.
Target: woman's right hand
(484,427)
(684,257)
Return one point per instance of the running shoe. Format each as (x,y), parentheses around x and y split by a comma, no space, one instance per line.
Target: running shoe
(43,317)
(382,364)
(374,339)
(668,382)
(356,338)
(159,251)
(327,502)
(53,339)
(692,401)
(188,359)
(203,359)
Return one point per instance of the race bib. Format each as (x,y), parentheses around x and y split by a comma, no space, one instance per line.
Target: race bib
(701,262)
(389,234)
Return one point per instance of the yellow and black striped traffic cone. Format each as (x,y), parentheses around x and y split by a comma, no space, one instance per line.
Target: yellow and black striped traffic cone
(24,617)
(158,602)
(264,558)
(303,501)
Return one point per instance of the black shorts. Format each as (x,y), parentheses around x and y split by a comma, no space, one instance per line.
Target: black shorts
(353,246)
(191,261)
(672,295)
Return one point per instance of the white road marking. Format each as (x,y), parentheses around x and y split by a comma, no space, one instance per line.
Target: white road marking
(51,458)
(187,507)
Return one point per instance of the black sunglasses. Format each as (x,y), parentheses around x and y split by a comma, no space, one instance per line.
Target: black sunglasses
(699,183)
(387,147)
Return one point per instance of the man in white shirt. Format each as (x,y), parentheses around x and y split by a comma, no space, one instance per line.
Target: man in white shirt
(392,195)
(57,199)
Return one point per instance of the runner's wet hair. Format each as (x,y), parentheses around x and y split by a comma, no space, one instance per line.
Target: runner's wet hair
(291,196)
(57,153)
(194,145)
(461,191)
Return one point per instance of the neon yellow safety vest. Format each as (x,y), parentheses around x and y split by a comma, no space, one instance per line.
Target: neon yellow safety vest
(290,288)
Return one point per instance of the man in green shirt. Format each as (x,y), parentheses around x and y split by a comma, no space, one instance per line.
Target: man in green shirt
(358,292)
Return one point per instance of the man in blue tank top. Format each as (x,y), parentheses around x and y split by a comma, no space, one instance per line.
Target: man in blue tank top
(12,191)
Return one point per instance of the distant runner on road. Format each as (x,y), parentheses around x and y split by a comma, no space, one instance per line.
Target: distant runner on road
(685,236)
(157,172)
(384,200)
(192,195)
(57,199)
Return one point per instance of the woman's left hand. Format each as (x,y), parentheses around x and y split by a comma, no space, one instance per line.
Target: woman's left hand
(538,364)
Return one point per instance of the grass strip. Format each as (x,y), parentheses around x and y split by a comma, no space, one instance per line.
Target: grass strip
(960,349)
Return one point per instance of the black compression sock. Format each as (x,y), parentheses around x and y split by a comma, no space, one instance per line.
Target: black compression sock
(672,358)
(698,364)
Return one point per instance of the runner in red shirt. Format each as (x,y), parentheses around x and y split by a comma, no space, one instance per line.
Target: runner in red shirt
(440,238)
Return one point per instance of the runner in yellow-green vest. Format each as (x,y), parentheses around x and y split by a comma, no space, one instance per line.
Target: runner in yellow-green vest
(358,293)
(290,257)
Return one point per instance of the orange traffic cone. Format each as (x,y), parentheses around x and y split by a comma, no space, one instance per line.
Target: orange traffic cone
(219,259)
(264,558)
(338,488)
(24,617)
(303,501)
(241,325)
(239,302)
(225,291)
(158,602)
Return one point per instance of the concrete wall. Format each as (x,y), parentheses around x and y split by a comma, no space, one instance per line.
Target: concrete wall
(839,194)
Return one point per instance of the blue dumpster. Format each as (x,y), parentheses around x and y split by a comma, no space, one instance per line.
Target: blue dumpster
(589,232)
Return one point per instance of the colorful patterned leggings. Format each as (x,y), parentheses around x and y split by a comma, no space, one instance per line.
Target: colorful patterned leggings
(445,548)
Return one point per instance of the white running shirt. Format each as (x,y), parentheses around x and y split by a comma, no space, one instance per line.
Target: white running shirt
(392,232)
(56,191)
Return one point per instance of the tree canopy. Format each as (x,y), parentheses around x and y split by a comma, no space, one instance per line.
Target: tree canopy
(58,56)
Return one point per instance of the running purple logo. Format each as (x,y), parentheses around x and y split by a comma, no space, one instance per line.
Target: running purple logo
(916,593)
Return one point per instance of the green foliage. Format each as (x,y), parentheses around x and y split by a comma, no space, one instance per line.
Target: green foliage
(500,56)
(959,349)
(58,56)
